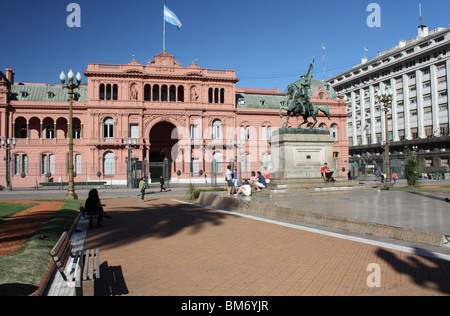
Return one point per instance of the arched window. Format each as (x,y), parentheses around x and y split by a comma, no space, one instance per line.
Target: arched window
(16,164)
(25,164)
(263,133)
(164,93)
(147,92)
(242,133)
(52,162)
(222,95)
(155,93)
(247,133)
(264,159)
(334,131)
(172,93)
(216,95)
(115,92)
(78,164)
(101,92)
(210,95)
(108,92)
(217,156)
(108,163)
(108,128)
(180,94)
(217,129)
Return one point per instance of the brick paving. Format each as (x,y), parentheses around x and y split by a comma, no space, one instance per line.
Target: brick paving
(164,247)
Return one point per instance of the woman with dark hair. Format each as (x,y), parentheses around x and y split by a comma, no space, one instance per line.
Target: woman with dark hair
(95,207)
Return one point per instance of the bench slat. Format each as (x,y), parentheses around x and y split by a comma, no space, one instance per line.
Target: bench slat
(86,264)
(97,263)
(76,266)
(58,246)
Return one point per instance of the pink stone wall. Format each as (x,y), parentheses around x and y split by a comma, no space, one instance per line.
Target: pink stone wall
(120,105)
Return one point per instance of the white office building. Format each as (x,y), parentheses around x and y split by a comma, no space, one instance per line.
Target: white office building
(418,73)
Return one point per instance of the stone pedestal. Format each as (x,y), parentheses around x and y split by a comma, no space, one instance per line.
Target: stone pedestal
(300,153)
(297,157)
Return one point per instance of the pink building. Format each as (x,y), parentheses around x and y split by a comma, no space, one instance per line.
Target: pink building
(189,115)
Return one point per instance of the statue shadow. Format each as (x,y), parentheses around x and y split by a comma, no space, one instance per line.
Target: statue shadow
(431,272)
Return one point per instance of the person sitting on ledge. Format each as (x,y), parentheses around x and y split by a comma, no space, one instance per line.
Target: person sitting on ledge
(261,181)
(244,189)
(327,174)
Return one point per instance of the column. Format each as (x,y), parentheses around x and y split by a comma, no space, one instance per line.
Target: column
(372,115)
(394,121)
(353,117)
(382,87)
(408,135)
(419,100)
(362,116)
(434,101)
(447,66)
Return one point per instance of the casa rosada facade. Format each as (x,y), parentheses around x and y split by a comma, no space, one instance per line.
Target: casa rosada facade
(164,118)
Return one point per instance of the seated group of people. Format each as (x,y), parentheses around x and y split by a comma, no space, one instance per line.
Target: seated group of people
(256,181)
(259,182)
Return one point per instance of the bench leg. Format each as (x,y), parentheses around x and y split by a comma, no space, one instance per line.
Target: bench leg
(78,288)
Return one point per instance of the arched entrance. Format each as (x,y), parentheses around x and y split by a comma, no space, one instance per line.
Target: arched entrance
(161,144)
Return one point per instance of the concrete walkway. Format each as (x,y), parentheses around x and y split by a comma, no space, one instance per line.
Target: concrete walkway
(165,246)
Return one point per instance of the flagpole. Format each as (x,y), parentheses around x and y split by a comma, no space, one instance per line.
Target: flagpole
(323,61)
(164,29)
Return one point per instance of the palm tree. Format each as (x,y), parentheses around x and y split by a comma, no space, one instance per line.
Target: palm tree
(411,167)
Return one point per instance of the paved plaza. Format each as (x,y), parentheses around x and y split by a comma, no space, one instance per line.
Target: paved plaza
(169,246)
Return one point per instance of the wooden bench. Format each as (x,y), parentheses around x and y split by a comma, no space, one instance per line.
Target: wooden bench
(78,269)
(87,215)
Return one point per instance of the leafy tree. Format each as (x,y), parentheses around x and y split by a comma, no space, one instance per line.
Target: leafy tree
(411,167)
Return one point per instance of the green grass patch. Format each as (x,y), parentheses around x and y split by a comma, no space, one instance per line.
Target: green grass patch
(9,209)
(441,189)
(193,194)
(21,272)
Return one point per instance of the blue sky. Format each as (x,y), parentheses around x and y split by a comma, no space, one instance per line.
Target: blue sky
(268,43)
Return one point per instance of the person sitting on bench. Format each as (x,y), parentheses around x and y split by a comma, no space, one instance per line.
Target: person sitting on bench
(327,174)
(95,207)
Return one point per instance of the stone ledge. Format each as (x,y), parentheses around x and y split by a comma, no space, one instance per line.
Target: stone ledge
(248,206)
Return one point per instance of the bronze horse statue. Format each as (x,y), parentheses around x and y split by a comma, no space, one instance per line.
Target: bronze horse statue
(299,103)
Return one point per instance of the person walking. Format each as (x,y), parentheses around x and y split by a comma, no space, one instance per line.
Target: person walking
(142,187)
(394,177)
(161,182)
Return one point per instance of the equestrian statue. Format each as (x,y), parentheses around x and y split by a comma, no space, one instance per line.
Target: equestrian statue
(299,102)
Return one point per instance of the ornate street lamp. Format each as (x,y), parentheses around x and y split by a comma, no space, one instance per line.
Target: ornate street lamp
(385,99)
(71,87)
(8,144)
(130,144)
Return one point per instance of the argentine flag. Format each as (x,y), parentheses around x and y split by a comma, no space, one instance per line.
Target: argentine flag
(170,17)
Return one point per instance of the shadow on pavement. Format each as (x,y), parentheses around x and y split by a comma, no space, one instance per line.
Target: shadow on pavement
(430,272)
(112,281)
